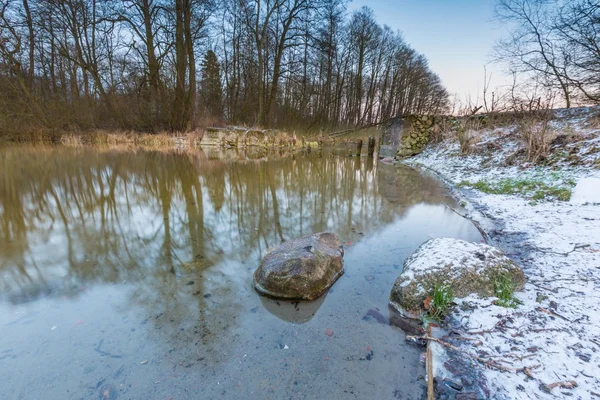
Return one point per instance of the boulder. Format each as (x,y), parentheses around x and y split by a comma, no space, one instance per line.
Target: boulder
(468,268)
(301,269)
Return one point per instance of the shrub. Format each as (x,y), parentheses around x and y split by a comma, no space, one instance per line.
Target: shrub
(537,134)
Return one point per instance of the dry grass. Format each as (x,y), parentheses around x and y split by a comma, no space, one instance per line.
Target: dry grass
(537,134)
(193,139)
(466,129)
(593,122)
(467,139)
(105,138)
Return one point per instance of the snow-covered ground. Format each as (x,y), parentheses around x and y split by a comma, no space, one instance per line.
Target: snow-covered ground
(551,342)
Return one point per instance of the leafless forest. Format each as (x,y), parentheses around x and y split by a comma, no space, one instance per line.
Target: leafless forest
(176,65)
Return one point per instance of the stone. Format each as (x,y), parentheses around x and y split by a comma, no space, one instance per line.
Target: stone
(468,268)
(301,269)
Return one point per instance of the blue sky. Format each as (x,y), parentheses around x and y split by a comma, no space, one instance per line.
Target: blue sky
(456,36)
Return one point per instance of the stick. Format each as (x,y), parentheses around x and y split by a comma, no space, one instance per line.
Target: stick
(430,388)
(550,312)
(579,246)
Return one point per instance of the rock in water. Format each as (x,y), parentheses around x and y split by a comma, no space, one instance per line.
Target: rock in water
(301,269)
(469,268)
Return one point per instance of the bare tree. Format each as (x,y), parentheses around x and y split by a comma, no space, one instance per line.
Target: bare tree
(532,45)
(578,26)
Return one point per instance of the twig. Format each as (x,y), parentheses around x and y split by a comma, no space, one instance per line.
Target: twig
(553,313)
(545,330)
(106,353)
(564,385)
(486,330)
(579,246)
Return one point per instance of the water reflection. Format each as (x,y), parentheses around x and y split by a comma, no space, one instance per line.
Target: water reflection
(111,216)
(155,250)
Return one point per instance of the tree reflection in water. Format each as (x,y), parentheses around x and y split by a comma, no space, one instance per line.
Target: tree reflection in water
(109,216)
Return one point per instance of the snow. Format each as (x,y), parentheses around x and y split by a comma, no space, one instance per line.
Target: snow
(435,254)
(586,191)
(555,332)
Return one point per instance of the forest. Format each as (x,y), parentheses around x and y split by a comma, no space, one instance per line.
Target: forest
(181,65)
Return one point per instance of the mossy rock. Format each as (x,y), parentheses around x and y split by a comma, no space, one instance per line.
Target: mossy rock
(301,269)
(468,268)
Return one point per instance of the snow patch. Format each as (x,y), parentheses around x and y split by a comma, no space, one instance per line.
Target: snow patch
(586,191)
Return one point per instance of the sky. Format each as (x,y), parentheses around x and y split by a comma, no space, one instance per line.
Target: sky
(456,36)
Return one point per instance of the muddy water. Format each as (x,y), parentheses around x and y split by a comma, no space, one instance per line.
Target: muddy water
(128,274)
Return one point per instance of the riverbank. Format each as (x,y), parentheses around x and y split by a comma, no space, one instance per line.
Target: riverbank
(351,141)
(549,345)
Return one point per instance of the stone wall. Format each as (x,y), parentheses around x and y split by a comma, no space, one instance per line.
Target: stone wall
(417,133)
(407,136)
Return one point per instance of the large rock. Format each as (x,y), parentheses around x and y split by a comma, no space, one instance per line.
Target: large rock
(469,268)
(301,269)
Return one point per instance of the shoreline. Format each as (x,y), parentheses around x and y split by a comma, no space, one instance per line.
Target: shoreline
(550,344)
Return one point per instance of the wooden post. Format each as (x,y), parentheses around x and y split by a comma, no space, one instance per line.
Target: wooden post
(359,144)
(429,367)
(371,148)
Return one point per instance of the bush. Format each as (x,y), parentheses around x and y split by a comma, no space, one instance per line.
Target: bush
(537,134)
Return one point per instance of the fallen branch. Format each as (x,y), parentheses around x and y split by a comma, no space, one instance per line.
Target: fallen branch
(553,313)
(564,385)
(496,325)
(577,247)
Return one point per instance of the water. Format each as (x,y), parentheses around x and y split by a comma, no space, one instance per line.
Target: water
(127,274)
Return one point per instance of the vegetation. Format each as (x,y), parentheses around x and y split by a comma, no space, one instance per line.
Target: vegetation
(504,289)
(439,303)
(529,188)
(132,65)
(466,138)
(537,135)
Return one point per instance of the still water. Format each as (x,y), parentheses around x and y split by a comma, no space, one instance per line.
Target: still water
(127,274)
